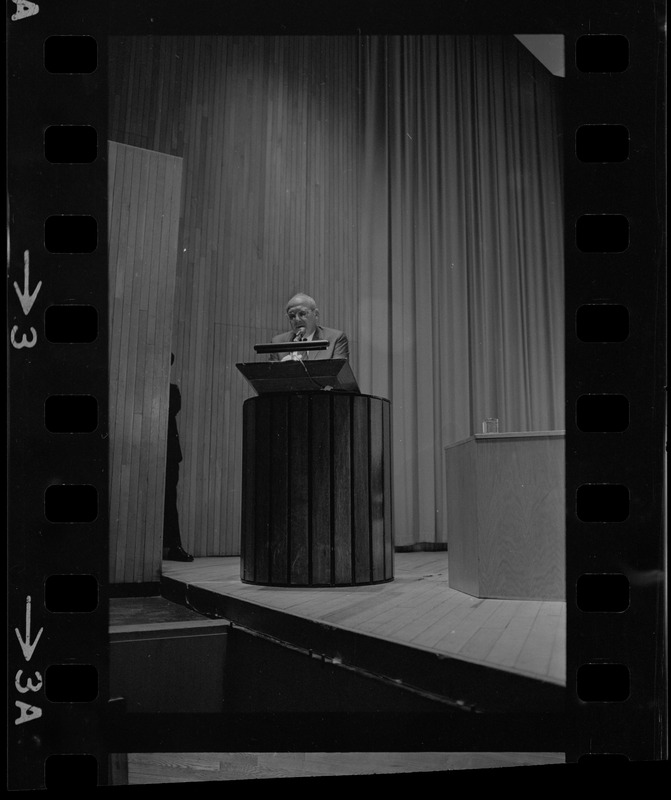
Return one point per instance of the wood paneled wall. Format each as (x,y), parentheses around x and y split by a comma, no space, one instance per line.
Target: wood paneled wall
(267,128)
(144,198)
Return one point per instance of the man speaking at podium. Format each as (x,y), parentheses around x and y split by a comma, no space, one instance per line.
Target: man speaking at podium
(304,320)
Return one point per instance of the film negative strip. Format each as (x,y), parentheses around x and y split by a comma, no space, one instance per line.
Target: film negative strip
(613,194)
(65,724)
(57,344)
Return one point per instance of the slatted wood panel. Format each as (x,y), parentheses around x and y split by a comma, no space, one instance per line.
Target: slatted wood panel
(144,198)
(267,130)
(296,530)
(418,609)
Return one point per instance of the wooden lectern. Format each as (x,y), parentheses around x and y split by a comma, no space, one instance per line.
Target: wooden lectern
(316,478)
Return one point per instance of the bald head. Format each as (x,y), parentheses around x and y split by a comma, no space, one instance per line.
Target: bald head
(302,299)
(303,313)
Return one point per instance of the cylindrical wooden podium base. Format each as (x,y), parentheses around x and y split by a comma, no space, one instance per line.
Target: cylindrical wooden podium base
(316,490)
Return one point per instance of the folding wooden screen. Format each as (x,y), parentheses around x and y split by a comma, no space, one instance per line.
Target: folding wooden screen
(143,216)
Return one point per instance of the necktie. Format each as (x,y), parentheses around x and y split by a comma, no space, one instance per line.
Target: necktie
(299,338)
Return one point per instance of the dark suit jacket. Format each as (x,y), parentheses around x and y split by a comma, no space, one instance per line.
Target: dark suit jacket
(338,345)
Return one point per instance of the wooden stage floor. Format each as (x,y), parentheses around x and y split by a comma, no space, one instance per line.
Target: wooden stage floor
(416,630)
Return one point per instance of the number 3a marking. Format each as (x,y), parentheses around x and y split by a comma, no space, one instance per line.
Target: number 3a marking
(25,342)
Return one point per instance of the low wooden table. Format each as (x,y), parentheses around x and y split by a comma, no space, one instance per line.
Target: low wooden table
(316,496)
(506,515)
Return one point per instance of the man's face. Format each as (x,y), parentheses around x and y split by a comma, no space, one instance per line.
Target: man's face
(303,316)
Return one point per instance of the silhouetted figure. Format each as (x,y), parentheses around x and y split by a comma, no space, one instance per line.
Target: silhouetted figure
(172,542)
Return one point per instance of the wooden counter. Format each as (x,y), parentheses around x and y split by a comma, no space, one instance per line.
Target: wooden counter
(506,515)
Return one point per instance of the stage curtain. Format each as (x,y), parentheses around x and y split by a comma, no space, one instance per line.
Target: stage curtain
(461,285)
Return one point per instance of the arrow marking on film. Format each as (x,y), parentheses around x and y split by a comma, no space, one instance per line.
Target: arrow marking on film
(28,647)
(25,297)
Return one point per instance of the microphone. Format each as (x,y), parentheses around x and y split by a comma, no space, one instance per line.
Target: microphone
(298,337)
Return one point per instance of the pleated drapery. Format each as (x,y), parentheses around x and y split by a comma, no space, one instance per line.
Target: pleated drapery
(412,185)
(461,296)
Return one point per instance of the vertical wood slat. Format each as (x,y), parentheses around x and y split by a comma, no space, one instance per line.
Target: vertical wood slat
(360,490)
(120,459)
(248,572)
(279,466)
(387,459)
(262,483)
(114,215)
(213,487)
(120,467)
(342,495)
(132,446)
(166,301)
(299,489)
(143,215)
(149,297)
(149,194)
(320,488)
(376,483)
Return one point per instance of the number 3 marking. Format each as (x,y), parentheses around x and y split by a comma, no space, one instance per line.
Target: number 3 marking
(30,686)
(24,341)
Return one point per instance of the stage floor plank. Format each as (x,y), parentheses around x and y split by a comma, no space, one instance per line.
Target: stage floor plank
(153,768)
(417,609)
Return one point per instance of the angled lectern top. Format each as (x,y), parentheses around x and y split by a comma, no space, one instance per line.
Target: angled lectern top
(329,374)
